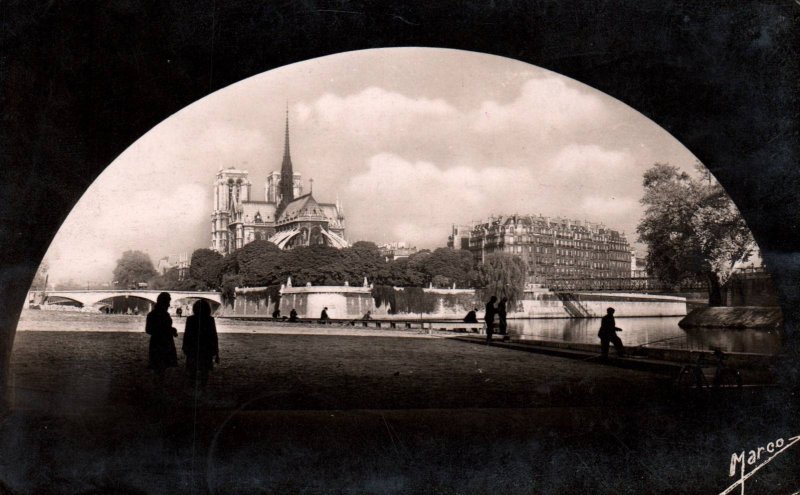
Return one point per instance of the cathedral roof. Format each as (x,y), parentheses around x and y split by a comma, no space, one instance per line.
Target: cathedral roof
(306,207)
(251,208)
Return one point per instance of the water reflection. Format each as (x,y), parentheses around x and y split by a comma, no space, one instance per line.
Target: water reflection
(652,332)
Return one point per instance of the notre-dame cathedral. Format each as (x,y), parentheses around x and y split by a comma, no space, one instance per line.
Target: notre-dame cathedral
(287,217)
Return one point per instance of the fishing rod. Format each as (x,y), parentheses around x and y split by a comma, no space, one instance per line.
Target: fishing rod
(661,340)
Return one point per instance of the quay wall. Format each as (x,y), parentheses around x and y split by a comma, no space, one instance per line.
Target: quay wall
(404,303)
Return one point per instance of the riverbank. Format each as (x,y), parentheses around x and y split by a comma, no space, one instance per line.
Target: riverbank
(363,414)
(78,371)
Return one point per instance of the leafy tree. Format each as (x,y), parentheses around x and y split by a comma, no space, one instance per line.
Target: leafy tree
(132,268)
(446,266)
(206,268)
(167,281)
(403,273)
(319,265)
(503,275)
(259,263)
(230,281)
(692,229)
(363,259)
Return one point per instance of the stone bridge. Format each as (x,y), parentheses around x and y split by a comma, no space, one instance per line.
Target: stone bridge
(91,297)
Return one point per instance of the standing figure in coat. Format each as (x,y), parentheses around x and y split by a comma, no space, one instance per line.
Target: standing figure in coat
(488,317)
(200,344)
(162,345)
(608,334)
(501,314)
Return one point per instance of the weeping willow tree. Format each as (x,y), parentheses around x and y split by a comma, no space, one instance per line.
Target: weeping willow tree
(503,275)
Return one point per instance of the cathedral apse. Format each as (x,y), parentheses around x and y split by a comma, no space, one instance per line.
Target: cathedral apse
(286,217)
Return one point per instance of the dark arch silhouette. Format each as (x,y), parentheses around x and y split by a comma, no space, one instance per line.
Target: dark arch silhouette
(721,79)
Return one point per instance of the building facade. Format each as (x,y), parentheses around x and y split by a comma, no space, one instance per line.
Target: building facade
(552,248)
(178,261)
(286,216)
(396,250)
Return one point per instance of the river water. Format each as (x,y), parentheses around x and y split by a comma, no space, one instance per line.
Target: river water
(651,332)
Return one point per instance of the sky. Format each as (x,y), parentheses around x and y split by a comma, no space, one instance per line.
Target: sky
(410,140)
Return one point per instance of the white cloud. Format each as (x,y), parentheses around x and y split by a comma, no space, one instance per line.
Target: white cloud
(420,200)
(590,167)
(373,110)
(545,105)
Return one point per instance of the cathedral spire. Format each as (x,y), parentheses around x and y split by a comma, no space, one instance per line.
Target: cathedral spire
(286,154)
(287,174)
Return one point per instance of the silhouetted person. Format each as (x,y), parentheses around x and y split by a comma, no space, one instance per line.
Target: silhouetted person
(200,344)
(472,316)
(501,315)
(293,316)
(276,314)
(488,317)
(608,334)
(162,346)
(323,317)
(367,316)
(179,312)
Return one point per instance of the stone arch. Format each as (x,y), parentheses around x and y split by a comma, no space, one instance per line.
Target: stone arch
(63,299)
(745,131)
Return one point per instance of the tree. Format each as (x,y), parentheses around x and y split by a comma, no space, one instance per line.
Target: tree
(446,266)
(503,275)
(132,268)
(318,265)
(363,259)
(230,281)
(401,273)
(170,280)
(206,268)
(260,263)
(692,229)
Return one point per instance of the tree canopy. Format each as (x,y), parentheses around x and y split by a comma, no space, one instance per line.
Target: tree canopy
(132,268)
(261,263)
(503,275)
(205,268)
(692,228)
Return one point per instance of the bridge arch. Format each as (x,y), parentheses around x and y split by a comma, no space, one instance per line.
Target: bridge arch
(62,300)
(186,302)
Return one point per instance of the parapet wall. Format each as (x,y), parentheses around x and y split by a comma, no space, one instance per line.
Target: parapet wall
(403,303)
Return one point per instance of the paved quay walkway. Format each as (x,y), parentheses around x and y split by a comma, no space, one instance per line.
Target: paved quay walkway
(357,413)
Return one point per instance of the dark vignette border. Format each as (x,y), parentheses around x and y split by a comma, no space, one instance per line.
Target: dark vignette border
(79,82)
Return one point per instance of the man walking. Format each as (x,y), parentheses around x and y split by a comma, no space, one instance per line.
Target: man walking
(608,334)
